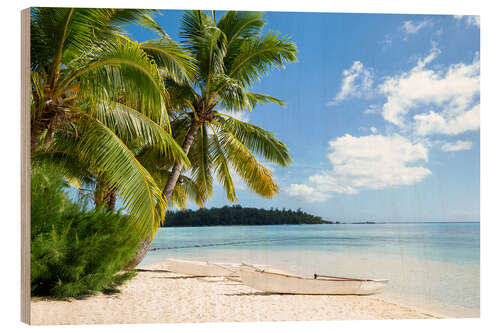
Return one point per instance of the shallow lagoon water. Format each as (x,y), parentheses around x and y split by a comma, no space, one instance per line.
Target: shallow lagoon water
(433,266)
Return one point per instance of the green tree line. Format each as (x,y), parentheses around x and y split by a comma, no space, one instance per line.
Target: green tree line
(237,215)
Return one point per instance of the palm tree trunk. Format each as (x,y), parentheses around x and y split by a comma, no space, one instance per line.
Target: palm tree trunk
(177,168)
(53,118)
(37,129)
(168,190)
(104,195)
(110,200)
(141,253)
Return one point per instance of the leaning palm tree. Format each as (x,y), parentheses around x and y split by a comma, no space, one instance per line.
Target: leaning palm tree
(96,94)
(231,54)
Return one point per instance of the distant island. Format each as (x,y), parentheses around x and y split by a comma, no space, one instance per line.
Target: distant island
(237,215)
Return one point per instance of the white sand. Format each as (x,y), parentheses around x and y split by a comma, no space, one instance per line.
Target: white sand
(162,297)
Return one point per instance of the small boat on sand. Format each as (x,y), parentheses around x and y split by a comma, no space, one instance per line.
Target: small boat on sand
(200,268)
(273,282)
(204,268)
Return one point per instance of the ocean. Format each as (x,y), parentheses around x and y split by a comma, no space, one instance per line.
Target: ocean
(431,266)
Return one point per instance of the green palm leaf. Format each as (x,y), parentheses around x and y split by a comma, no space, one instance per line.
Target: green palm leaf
(115,68)
(257,57)
(258,178)
(222,167)
(239,26)
(109,157)
(76,171)
(206,42)
(135,128)
(257,140)
(201,163)
(78,30)
(171,58)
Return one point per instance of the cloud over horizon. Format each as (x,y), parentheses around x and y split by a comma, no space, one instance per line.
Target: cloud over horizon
(420,102)
(365,162)
(428,105)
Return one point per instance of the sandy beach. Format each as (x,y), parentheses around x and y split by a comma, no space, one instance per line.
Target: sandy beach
(156,296)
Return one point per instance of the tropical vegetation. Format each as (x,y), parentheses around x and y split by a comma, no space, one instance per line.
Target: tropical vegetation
(230,54)
(75,250)
(96,97)
(146,126)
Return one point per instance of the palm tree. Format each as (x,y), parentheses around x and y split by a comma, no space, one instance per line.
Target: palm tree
(97,95)
(231,54)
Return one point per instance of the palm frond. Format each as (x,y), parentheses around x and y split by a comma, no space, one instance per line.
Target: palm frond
(206,42)
(259,56)
(85,28)
(256,98)
(181,95)
(192,190)
(172,60)
(231,93)
(74,170)
(133,127)
(148,22)
(185,190)
(258,178)
(221,166)
(115,69)
(239,26)
(257,140)
(37,93)
(201,163)
(109,157)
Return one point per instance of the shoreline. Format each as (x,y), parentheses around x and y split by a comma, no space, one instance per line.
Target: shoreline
(156,296)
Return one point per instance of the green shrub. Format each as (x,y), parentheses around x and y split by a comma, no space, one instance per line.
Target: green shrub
(75,250)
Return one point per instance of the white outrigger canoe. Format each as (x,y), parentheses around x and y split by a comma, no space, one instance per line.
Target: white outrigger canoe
(319,285)
(201,268)
(204,268)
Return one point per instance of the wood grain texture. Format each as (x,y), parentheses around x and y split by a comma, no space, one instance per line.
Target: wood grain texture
(25,167)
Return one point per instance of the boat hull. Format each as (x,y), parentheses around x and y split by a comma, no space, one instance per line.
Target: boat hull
(200,268)
(288,284)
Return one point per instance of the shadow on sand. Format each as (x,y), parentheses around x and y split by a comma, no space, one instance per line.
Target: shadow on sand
(176,277)
(263,293)
(153,270)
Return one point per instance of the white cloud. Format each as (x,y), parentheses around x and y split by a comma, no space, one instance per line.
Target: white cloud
(434,123)
(367,162)
(420,102)
(444,101)
(240,115)
(410,27)
(307,193)
(457,146)
(356,81)
(472,20)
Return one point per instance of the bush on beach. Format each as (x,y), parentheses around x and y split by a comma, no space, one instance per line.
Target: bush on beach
(75,250)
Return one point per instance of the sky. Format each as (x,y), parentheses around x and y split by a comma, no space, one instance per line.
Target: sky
(381,116)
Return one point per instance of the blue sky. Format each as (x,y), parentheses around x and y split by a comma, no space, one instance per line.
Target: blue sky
(381,116)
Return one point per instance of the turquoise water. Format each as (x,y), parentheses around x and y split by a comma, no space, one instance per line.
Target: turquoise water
(434,266)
